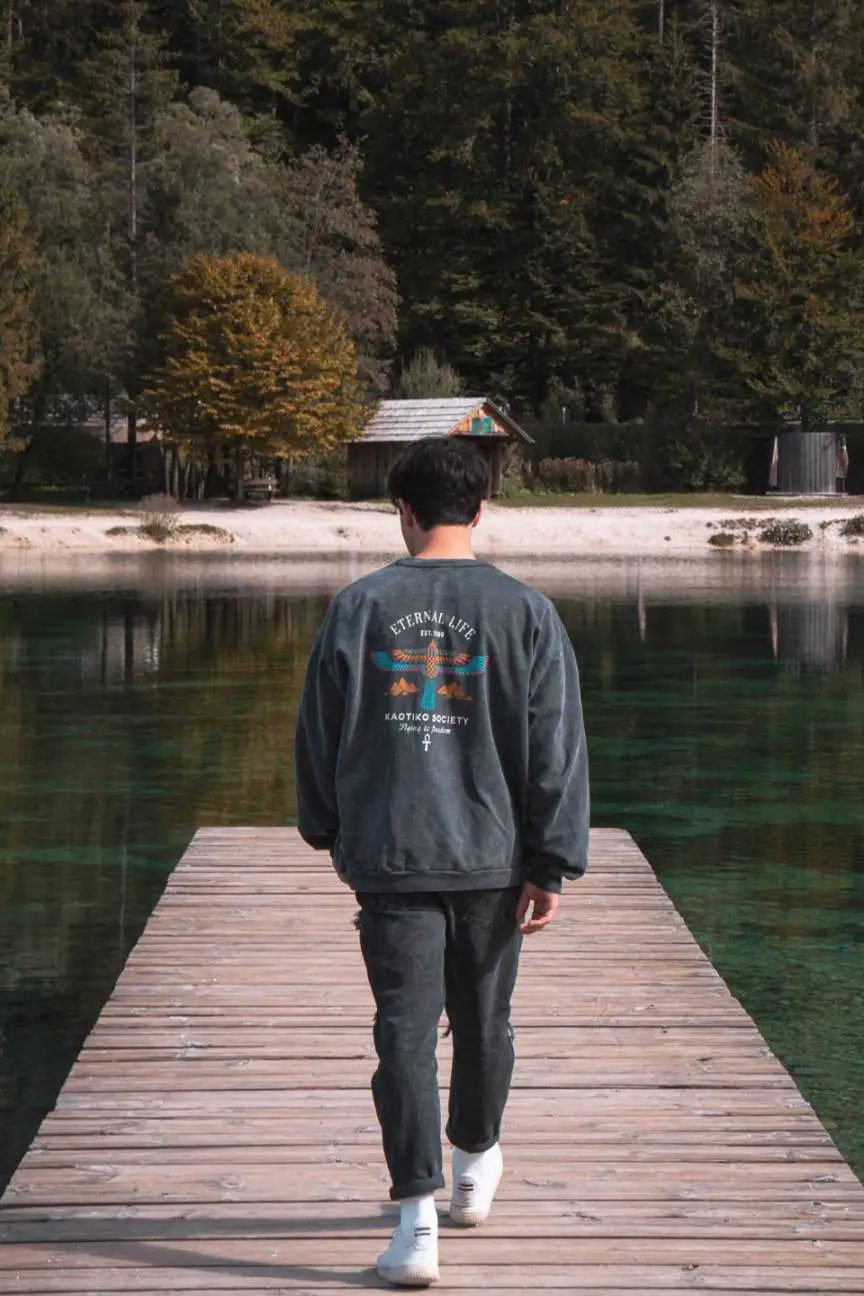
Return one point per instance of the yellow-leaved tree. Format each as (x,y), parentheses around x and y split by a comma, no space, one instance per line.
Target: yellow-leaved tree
(254,363)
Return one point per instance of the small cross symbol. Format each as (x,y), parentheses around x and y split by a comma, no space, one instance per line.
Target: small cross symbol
(426,742)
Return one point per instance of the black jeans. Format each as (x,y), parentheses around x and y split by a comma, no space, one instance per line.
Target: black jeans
(424,952)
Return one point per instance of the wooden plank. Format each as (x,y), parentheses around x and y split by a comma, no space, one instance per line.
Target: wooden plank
(217,1132)
(462,1275)
(309,1248)
(769,1220)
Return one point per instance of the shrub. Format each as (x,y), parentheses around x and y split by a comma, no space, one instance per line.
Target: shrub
(722,539)
(786,531)
(159,518)
(570,475)
(158,529)
(618,477)
(318,474)
(853,527)
(698,459)
(581,476)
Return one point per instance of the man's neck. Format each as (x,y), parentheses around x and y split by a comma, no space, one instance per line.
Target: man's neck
(446,542)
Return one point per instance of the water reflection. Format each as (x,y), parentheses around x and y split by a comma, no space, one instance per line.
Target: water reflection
(810,634)
(726,730)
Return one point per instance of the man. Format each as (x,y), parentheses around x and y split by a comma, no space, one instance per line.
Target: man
(441,758)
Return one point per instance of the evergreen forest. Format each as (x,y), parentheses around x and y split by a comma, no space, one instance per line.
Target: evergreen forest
(641,214)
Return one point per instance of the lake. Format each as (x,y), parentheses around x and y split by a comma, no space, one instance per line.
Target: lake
(725,713)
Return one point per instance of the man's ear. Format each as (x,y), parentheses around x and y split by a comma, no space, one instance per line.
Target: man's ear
(479,518)
(406,512)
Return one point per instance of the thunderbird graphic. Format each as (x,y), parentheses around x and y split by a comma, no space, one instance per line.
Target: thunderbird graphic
(431,663)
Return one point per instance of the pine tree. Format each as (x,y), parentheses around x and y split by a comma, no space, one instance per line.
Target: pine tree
(43,43)
(493,149)
(18,334)
(797,75)
(242,49)
(711,216)
(802,302)
(127,81)
(425,377)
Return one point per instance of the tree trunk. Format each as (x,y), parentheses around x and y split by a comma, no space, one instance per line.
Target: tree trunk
(108,464)
(239,472)
(806,419)
(22,463)
(132,449)
(715,85)
(175,473)
(133,155)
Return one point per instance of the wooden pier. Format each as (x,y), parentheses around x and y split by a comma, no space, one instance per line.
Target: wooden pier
(217,1133)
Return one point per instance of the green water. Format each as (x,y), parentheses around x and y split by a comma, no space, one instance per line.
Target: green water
(726,727)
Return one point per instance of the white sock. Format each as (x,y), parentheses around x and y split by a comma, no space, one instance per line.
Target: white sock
(471,1162)
(419,1211)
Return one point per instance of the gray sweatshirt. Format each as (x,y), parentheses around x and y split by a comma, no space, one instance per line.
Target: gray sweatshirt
(440,743)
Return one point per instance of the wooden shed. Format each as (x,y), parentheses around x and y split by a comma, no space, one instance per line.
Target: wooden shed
(399,422)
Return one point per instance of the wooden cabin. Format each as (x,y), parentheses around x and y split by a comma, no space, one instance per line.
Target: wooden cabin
(398,423)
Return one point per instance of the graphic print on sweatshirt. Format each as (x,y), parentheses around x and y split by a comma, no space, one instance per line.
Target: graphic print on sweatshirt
(432,673)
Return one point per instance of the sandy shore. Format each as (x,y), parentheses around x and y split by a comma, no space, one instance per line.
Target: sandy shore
(368,531)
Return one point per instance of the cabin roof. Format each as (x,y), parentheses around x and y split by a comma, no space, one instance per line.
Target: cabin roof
(411,420)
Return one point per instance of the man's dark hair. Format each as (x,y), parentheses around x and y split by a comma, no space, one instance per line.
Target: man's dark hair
(443,479)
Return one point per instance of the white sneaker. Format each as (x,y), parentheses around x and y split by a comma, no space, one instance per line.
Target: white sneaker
(476,1177)
(411,1260)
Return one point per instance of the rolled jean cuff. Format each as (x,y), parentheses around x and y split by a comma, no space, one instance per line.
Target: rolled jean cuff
(416,1188)
(473,1149)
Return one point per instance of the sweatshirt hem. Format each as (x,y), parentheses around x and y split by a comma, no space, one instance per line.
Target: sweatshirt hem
(380,882)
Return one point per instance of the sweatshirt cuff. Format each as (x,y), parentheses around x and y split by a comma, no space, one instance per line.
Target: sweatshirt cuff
(319,841)
(544,878)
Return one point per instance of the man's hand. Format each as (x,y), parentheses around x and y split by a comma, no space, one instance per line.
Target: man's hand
(543,905)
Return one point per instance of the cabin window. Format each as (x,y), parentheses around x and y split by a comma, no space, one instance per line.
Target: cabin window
(482,426)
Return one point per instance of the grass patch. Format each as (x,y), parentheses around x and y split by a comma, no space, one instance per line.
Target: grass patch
(853,528)
(205,529)
(585,500)
(746,523)
(722,540)
(163,530)
(95,509)
(675,500)
(786,532)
